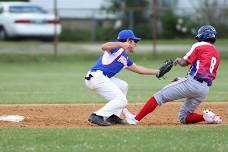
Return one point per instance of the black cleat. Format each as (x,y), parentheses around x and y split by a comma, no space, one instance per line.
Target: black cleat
(99,120)
(113,119)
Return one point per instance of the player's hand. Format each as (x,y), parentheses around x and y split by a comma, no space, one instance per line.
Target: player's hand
(127,46)
(176,79)
(177,61)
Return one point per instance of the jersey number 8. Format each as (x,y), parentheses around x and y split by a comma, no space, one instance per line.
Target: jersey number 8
(213,62)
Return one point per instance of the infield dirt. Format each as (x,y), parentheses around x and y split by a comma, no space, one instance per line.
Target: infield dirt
(76,115)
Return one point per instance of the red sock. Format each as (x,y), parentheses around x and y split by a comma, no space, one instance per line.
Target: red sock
(194,118)
(149,106)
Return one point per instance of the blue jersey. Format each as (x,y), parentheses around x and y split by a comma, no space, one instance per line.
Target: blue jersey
(111,63)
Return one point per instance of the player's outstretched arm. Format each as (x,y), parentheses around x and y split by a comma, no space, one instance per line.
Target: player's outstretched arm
(143,70)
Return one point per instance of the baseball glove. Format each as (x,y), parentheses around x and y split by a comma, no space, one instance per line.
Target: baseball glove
(166,67)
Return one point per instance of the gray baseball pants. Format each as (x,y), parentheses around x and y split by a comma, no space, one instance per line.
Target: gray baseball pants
(194,92)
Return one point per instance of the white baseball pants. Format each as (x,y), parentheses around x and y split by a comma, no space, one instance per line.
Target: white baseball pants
(113,90)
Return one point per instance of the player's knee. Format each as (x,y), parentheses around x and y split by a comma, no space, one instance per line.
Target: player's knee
(182,116)
(124,86)
(123,102)
(161,97)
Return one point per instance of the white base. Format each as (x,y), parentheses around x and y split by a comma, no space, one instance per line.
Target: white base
(12,118)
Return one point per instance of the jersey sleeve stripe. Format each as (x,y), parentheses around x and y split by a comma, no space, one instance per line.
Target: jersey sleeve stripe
(109,58)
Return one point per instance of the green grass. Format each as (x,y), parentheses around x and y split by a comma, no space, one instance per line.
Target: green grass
(177,139)
(42,82)
(63,82)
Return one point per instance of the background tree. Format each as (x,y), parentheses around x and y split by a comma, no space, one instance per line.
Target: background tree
(213,12)
(133,14)
(139,14)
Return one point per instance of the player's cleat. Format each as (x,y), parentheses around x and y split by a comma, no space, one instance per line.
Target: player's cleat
(211,118)
(129,117)
(113,119)
(99,120)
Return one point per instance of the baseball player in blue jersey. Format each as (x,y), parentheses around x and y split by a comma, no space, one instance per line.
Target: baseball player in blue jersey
(101,77)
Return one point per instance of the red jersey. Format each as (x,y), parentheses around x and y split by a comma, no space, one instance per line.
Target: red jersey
(205,59)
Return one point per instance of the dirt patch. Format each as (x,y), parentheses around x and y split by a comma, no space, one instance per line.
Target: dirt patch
(76,115)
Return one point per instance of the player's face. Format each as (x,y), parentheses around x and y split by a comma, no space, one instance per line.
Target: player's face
(132,44)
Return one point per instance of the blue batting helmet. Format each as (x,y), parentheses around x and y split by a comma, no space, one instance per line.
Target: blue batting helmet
(127,34)
(206,32)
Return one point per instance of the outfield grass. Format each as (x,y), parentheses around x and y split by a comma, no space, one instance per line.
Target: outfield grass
(159,139)
(63,82)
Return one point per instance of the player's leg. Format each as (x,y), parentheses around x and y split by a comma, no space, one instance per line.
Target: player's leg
(199,92)
(112,93)
(123,87)
(184,88)
(115,97)
(186,113)
(148,107)
(188,116)
(173,91)
(117,101)
(106,88)
(120,84)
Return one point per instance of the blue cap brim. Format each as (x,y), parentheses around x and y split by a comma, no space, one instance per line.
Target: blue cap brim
(136,39)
